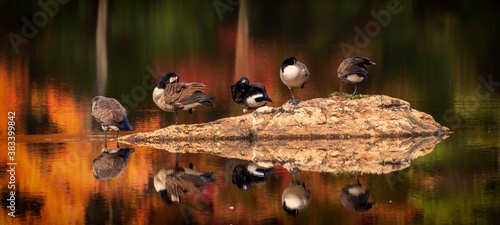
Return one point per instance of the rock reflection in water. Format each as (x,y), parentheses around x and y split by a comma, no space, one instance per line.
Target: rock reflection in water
(366,155)
(355,198)
(110,163)
(245,173)
(172,182)
(296,197)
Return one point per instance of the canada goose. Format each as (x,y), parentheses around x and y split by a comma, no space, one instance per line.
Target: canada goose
(295,197)
(245,173)
(110,163)
(110,114)
(293,74)
(355,198)
(249,96)
(174,181)
(352,70)
(171,95)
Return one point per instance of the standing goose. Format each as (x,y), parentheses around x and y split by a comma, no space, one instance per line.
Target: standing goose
(174,181)
(354,197)
(171,95)
(249,96)
(295,197)
(293,74)
(110,114)
(110,163)
(352,70)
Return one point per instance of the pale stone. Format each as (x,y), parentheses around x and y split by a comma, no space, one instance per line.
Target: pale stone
(374,134)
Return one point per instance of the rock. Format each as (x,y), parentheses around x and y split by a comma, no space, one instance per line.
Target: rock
(375,134)
(320,118)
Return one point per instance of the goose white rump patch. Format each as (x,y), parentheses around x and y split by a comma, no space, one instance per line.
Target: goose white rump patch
(356,191)
(290,72)
(192,105)
(292,76)
(253,103)
(355,78)
(294,202)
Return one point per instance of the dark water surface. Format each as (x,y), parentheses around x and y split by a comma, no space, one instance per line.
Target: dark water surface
(439,56)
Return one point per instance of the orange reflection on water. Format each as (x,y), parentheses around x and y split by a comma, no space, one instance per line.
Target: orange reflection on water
(13,94)
(64,112)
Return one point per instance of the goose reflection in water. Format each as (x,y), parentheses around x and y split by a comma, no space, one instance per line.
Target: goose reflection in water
(355,198)
(172,182)
(110,163)
(296,196)
(244,173)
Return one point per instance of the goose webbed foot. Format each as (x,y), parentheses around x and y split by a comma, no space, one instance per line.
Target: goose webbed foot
(294,101)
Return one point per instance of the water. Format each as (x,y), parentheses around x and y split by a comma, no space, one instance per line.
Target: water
(439,57)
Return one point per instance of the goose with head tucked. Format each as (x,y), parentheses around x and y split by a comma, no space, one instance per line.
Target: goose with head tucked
(110,163)
(174,181)
(296,197)
(110,114)
(353,70)
(172,96)
(246,173)
(355,198)
(249,96)
(293,74)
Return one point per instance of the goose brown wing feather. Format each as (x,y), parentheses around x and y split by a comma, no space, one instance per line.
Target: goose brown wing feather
(350,66)
(108,165)
(179,92)
(108,111)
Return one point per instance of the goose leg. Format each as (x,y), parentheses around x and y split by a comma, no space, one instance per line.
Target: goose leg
(105,149)
(355,89)
(117,133)
(293,101)
(357,179)
(175,115)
